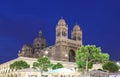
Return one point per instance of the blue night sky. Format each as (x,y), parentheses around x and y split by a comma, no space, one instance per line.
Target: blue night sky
(21,20)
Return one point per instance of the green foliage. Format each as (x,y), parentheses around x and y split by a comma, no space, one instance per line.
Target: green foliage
(56,66)
(81,64)
(89,54)
(43,63)
(111,67)
(19,65)
(90,65)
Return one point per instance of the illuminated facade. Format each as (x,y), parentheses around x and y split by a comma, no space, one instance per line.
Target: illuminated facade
(63,50)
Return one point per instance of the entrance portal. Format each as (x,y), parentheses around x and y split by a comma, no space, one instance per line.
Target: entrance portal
(71,56)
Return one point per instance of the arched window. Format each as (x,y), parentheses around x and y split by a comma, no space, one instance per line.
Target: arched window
(79,38)
(74,38)
(63,33)
(58,34)
(37,45)
(71,56)
(42,46)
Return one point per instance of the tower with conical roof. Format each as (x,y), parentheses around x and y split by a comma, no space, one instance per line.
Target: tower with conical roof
(61,39)
(61,30)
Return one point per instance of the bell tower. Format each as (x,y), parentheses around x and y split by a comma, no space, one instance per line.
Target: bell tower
(61,40)
(61,31)
(77,34)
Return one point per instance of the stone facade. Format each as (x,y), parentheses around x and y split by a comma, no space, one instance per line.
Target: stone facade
(64,49)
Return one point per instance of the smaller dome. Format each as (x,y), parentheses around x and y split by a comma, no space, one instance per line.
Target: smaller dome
(61,22)
(76,28)
(27,46)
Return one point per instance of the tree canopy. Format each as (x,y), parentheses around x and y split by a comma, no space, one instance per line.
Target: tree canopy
(89,54)
(19,65)
(56,66)
(111,67)
(43,63)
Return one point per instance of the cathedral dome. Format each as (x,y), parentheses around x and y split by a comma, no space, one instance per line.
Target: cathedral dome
(61,22)
(76,28)
(39,42)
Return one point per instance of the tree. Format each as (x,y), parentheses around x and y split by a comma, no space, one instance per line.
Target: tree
(87,55)
(19,65)
(56,66)
(43,63)
(111,67)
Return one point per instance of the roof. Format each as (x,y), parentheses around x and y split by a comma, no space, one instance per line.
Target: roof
(61,22)
(97,72)
(61,70)
(103,73)
(28,70)
(76,28)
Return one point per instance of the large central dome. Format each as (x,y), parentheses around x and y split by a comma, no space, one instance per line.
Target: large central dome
(40,41)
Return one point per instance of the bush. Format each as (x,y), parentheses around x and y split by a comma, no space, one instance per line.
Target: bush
(111,67)
(56,66)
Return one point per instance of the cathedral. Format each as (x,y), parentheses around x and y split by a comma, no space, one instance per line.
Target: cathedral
(64,48)
(63,51)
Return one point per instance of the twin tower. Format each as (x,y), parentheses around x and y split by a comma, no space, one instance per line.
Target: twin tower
(66,48)
(62,32)
(63,50)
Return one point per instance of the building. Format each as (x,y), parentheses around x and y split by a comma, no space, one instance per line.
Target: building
(64,49)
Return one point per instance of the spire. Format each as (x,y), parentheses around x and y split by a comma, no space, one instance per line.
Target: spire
(40,33)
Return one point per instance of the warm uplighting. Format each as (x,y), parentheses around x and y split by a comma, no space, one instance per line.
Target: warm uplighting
(46,52)
(66,55)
